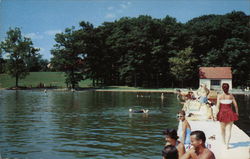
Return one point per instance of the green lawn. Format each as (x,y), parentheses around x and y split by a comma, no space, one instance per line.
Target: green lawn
(35,78)
(57,79)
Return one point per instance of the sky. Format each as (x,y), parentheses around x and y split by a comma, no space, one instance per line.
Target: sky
(42,19)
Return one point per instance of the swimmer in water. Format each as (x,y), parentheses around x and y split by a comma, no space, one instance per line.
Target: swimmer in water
(138,111)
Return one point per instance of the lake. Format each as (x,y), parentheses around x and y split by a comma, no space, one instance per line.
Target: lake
(88,124)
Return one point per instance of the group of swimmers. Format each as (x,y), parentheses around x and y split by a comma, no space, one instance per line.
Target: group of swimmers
(175,149)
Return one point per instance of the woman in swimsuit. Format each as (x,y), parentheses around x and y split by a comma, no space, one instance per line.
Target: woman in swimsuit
(185,128)
(226,116)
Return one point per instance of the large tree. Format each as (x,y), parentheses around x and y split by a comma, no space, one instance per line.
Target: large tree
(136,51)
(68,56)
(183,66)
(18,50)
(1,62)
(37,64)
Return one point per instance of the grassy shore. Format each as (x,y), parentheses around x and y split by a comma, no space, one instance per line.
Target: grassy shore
(34,79)
(56,80)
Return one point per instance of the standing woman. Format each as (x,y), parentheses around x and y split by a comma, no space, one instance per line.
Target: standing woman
(226,116)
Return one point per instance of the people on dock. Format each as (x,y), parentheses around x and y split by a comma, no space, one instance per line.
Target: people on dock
(170,152)
(180,96)
(184,128)
(203,92)
(226,116)
(190,96)
(199,150)
(138,111)
(172,139)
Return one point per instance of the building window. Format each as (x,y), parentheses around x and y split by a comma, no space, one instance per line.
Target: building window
(215,82)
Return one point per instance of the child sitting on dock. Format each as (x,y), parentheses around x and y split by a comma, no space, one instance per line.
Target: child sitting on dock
(180,96)
(190,96)
(172,139)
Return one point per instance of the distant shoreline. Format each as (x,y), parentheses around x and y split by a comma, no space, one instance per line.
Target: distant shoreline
(172,90)
(167,90)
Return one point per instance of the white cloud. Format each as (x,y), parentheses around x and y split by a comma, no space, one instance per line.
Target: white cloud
(44,52)
(125,5)
(52,32)
(33,36)
(113,11)
(110,15)
(110,8)
(119,11)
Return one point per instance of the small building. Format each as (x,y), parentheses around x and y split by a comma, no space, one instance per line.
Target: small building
(213,77)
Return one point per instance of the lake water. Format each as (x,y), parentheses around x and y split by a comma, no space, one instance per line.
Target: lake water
(67,125)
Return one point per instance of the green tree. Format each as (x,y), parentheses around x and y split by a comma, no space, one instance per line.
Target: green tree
(37,64)
(18,51)
(2,61)
(98,58)
(68,56)
(183,65)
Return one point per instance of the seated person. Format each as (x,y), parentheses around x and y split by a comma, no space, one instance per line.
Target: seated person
(170,152)
(181,97)
(185,128)
(190,96)
(199,150)
(171,139)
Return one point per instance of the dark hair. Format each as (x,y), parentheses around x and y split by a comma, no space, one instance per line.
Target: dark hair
(172,133)
(170,152)
(225,87)
(199,135)
(182,112)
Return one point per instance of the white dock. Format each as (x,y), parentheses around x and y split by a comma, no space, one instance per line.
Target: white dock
(239,147)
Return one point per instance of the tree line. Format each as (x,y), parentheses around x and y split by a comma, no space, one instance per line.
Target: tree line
(149,52)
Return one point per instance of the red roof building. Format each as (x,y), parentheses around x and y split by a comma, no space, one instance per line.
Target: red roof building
(213,77)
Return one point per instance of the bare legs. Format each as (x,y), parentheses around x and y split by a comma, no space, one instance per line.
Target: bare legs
(223,131)
(226,132)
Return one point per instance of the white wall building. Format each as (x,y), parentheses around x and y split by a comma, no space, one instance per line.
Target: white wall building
(214,77)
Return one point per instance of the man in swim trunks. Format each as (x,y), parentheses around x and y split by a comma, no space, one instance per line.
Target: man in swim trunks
(199,150)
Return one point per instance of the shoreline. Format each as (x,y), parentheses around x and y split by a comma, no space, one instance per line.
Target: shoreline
(99,90)
(164,90)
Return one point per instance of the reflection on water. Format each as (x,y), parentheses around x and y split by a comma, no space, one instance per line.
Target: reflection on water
(35,124)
